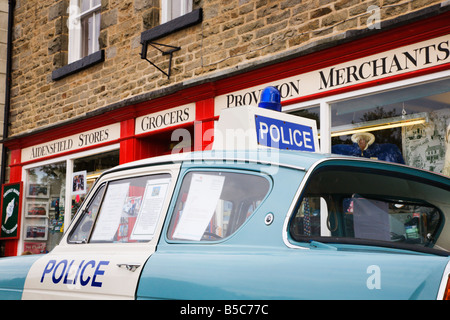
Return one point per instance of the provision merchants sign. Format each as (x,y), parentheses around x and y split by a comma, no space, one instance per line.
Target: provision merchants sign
(414,57)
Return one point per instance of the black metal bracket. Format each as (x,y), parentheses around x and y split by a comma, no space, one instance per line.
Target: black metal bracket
(164,53)
(148,37)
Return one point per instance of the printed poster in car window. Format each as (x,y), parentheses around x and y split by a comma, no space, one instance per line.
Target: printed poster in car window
(151,209)
(201,202)
(109,217)
(11,208)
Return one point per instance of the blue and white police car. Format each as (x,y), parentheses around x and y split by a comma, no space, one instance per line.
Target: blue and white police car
(264,223)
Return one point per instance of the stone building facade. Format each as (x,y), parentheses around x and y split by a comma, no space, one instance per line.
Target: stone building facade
(232,36)
(3,55)
(3,59)
(96,83)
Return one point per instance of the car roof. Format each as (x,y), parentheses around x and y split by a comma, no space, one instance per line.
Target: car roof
(289,158)
(298,160)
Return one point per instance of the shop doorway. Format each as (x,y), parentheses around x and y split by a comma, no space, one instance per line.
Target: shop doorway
(166,142)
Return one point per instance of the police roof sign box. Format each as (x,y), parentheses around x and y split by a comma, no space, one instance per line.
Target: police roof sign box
(284,134)
(250,128)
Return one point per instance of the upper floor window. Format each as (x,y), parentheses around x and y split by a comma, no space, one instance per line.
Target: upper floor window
(171,9)
(84,28)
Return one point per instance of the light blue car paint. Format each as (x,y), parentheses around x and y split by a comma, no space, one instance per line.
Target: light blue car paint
(256,263)
(13,273)
(241,272)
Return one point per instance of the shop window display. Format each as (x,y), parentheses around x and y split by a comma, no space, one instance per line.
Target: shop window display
(364,146)
(45,198)
(43,225)
(85,172)
(408,125)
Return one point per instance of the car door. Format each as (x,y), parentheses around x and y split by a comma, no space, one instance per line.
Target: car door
(115,232)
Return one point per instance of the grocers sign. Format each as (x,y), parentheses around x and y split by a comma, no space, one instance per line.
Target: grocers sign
(11,208)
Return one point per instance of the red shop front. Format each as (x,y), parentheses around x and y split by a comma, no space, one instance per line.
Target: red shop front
(56,167)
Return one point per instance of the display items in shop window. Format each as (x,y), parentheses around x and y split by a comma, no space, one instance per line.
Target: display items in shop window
(36,230)
(36,209)
(364,146)
(426,145)
(56,226)
(446,170)
(56,222)
(44,208)
(79,184)
(34,248)
(37,191)
(54,205)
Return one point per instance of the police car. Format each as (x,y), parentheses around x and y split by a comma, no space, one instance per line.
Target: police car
(264,223)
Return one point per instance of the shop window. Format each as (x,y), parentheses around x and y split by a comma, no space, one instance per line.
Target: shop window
(213,205)
(172,9)
(407,125)
(128,211)
(309,113)
(43,225)
(85,171)
(45,212)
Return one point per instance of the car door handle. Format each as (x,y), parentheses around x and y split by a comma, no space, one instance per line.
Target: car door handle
(129,266)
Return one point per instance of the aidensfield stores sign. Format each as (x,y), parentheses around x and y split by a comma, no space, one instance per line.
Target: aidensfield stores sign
(70,143)
(405,59)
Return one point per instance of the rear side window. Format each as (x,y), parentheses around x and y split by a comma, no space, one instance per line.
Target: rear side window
(358,205)
(213,205)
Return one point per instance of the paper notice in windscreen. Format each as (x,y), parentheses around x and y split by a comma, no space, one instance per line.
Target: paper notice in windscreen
(152,205)
(111,211)
(203,195)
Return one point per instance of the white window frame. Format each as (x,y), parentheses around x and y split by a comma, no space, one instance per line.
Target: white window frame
(75,30)
(326,102)
(167,12)
(69,160)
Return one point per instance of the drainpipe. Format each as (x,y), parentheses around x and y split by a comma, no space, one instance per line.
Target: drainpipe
(11,6)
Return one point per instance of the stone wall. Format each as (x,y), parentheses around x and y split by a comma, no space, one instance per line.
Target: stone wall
(3,59)
(232,33)
(3,54)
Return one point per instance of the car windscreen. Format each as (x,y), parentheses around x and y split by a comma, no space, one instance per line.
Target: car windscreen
(360,205)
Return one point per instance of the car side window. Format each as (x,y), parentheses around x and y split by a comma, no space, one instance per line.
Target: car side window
(356,205)
(213,205)
(125,210)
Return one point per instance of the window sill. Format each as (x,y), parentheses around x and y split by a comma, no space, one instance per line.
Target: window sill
(172,26)
(79,65)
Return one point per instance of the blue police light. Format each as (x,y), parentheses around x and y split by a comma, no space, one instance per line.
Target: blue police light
(270,99)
